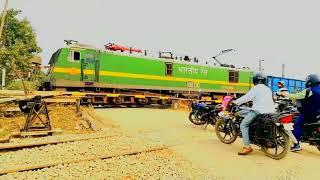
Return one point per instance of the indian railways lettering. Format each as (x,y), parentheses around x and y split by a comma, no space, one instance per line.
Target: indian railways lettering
(191,70)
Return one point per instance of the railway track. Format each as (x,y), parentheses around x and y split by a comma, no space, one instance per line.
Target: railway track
(45,154)
(10,147)
(34,156)
(93,158)
(13,147)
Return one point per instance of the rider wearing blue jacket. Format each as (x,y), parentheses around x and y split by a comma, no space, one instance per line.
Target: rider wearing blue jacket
(310,106)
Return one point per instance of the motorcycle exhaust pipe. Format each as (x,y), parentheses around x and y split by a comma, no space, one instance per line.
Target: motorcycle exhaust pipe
(288,131)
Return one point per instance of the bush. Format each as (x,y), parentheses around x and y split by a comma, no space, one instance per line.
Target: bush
(29,85)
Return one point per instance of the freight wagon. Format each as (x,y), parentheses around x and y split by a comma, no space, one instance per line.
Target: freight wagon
(293,85)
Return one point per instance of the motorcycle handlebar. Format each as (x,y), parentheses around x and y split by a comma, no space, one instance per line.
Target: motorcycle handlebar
(284,99)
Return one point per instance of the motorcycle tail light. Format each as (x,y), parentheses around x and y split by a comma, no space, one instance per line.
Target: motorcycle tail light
(287,119)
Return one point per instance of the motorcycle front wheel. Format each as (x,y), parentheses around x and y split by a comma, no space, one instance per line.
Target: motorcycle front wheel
(280,148)
(226,131)
(194,118)
(214,120)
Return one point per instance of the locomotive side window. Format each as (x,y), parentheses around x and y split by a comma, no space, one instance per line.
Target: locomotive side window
(76,55)
(168,69)
(233,76)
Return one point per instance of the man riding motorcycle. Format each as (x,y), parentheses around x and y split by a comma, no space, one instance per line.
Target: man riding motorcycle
(282,89)
(262,103)
(309,107)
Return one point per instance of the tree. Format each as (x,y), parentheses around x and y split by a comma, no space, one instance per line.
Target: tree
(18,45)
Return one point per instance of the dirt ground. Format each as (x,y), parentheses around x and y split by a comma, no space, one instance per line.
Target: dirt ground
(201,146)
(63,118)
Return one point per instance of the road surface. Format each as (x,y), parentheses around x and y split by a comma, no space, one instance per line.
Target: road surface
(201,147)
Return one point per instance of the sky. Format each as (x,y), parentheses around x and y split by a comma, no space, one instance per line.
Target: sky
(279,32)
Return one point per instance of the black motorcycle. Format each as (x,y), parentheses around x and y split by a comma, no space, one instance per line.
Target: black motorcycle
(269,131)
(311,133)
(310,130)
(284,105)
(203,114)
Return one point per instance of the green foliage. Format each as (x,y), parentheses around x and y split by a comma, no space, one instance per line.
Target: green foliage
(18,85)
(18,45)
(31,84)
(38,77)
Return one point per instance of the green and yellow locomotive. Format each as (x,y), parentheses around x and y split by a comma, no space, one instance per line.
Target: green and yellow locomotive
(79,67)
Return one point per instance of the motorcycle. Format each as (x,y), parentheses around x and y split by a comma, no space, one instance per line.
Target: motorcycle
(283,104)
(310,130)
(269,131)
(203,114)
(311,133)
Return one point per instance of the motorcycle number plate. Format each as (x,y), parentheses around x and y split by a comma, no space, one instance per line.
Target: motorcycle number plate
(288,126)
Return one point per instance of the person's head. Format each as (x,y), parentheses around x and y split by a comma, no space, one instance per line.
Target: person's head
(259,78)
(281,84)
(312,80)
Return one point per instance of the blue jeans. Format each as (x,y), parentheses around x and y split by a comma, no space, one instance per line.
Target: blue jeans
(297,127)
(244,126)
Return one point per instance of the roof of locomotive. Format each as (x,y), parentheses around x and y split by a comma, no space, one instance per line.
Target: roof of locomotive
(140,55)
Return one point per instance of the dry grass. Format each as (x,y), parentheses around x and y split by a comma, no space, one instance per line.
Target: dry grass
(11,124)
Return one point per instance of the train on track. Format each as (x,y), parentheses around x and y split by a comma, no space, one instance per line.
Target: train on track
(121,75)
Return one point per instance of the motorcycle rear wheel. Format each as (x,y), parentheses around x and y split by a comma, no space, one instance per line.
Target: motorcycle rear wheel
(281,141)
(225,128)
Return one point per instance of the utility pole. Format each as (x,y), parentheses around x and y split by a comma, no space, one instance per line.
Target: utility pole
(283,70)
(3,79)
(260,65)
(4,13)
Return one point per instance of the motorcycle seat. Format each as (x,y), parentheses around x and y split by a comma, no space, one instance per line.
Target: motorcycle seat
(267,115)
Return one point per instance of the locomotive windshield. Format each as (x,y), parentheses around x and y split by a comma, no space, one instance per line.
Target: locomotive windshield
(54,57)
